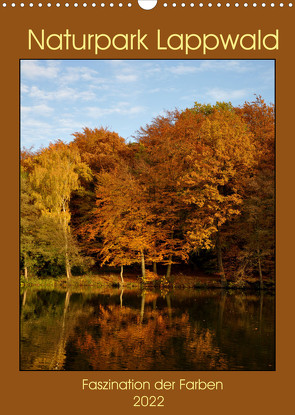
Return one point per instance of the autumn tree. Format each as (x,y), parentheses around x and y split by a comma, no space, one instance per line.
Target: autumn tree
(41,236)
(161,160)
(55,175)
(102,150)
(231,161)
(193,161)
(254,230)
(123,220)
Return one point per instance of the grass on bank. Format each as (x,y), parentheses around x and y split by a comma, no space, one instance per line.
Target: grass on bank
(113,280)
(76,281)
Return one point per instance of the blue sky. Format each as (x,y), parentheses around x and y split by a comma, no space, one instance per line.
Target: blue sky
(61,97)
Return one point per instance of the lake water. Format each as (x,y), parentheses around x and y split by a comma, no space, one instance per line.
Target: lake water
(114,329)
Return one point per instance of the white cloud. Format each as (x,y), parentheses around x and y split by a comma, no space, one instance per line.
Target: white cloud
(219,94)
(136,110)
(154,90)
(183,69)
(33,123)
(31,69)
(35,132)
(76,74)
(151,69)
(61,93)
(122,108)
(42,109)
(123,71)
(68,124)
(126,77)
(24,89)
(238,66)
(214,65)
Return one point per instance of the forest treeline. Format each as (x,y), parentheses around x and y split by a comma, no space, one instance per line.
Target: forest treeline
(195,186)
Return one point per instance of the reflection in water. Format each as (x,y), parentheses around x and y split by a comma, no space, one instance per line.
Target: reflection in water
(182,330)
(142,306)
(121,297)
(59,355)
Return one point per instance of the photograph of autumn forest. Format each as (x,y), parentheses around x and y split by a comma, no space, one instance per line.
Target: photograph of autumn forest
(147,215)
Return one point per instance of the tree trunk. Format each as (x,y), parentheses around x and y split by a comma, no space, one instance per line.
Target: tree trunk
(67,260)
(25,267)
(260,270)
(24,298)
(219,260)
(68,266)
(121,274)
(168,273)
(155,268)
(142,265)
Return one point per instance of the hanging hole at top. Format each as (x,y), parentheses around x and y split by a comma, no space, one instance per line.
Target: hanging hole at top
(147,4)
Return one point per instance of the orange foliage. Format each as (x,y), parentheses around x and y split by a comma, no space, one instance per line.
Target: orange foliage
(100,148)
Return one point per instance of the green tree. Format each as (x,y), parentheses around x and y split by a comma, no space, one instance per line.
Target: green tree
(55,175)
(29,220)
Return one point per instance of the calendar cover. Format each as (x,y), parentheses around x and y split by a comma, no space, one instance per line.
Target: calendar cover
(147,207)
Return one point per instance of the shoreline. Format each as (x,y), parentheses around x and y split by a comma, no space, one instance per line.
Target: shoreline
(113,281)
